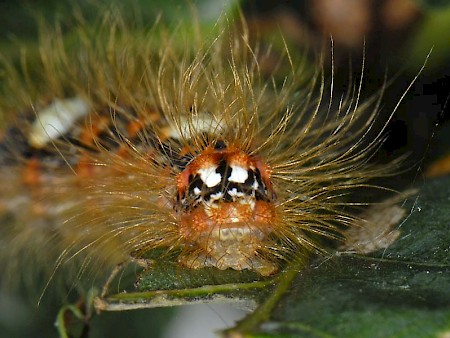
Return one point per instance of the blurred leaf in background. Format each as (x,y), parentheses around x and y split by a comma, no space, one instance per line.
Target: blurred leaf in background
(395,37)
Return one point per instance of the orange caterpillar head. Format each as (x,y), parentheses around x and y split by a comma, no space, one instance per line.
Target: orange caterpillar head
(226,207)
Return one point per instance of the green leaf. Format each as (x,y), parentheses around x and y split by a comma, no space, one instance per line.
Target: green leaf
(167,284)
(432,35)
(402,291)
(434,4)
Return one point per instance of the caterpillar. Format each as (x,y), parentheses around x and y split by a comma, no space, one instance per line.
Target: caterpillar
(135,142)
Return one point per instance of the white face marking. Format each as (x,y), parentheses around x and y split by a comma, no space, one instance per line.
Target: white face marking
(238,174)
(210,177)
(234,192)
(255,185)
(218,196)
(197,191)
(56,120)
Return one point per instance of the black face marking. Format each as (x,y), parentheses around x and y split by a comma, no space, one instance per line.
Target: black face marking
(224,170)
(220,145)
(261,191)
(198,192)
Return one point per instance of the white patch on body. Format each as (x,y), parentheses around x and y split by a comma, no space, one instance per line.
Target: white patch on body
(189,126)
(56,120)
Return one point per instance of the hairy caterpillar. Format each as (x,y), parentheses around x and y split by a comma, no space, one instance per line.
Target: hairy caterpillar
(126,147)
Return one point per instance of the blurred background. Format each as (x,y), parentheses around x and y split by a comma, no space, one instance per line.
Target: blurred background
(394,35)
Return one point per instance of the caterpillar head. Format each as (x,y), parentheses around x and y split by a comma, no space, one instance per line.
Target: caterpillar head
(226,208)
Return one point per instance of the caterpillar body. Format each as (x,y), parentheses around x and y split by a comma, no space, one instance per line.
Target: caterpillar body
(124,148)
